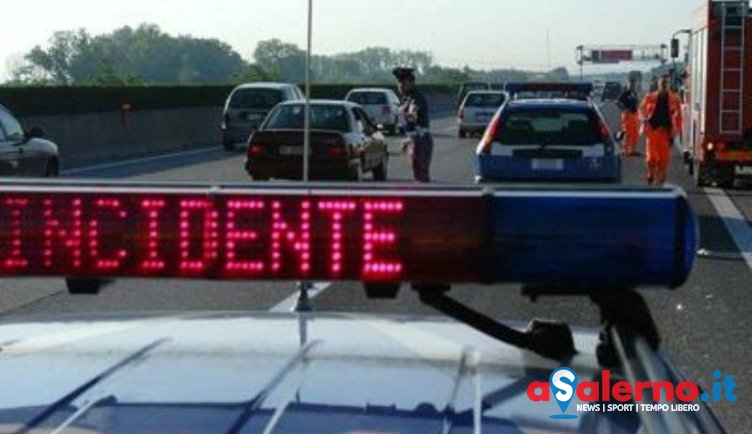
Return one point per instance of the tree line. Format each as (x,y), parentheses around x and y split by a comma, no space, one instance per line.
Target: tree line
(146,55)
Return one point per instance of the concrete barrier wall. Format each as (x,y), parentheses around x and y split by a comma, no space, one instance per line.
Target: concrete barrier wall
(102,137)
(97,137)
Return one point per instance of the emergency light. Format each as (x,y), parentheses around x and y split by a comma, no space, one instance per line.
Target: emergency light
(583,88)
(381,234)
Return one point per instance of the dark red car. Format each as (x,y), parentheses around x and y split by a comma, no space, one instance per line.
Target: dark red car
(345,143)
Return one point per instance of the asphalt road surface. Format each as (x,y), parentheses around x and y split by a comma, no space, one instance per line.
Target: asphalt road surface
(703,324)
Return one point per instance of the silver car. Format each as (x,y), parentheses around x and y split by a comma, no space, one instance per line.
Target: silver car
(247,107)
(382,106)
(25,153)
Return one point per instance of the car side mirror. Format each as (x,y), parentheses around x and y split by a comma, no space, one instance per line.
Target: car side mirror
(619,136)
(35,133)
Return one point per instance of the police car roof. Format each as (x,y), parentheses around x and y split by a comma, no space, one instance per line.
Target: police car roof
(402,394)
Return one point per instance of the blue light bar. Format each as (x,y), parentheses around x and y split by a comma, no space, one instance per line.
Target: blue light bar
(619,238)
(517,87)
(583,237)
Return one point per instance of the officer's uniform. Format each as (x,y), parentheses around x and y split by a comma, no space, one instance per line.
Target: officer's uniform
(417,129)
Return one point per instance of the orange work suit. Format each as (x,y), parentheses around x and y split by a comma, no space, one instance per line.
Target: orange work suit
(658,146)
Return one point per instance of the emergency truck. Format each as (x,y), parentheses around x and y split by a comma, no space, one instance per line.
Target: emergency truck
(718,99)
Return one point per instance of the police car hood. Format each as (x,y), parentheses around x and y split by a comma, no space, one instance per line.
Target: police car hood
(243,373)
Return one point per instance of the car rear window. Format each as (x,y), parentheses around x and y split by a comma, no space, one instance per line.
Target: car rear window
(255,98)
(484,100)
(547,126)
(368,98)
(323,117)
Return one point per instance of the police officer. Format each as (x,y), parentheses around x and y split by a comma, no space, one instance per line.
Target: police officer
(628,102)
(417,123)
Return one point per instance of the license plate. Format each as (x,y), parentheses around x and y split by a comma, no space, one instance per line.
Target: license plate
(290,150)
(547,164)
(253,116)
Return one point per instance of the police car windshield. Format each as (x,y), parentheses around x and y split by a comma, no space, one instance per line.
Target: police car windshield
(534,126)
(323,117)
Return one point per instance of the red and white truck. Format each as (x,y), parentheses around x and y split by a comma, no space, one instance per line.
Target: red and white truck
(718,93)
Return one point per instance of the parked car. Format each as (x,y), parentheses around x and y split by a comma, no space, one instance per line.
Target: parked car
(382,106)
(25,153)
(345,143)
(248,105)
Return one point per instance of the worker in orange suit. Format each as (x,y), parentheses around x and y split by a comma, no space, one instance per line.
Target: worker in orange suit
(661,113)
(628,102)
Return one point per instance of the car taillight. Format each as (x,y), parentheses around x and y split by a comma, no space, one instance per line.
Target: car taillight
(720,146)
(484,147)
(336,151)
(256,150)
(386,110)
(335,148)
(461,113)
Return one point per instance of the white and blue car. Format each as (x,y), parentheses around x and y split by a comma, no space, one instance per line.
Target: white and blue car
(562,139)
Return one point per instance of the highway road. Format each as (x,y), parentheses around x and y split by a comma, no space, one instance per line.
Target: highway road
(703,324)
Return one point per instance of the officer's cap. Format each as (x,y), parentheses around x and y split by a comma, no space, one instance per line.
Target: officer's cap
(403,72)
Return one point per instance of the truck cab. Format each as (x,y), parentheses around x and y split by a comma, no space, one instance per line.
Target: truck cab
(717,133)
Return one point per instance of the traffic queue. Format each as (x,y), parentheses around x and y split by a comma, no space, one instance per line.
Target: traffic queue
(532,131)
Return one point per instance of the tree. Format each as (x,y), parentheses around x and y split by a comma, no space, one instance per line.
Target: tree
(288,59)
(144,54)
(72,57)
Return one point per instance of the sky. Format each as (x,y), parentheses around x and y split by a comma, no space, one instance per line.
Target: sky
(480,33)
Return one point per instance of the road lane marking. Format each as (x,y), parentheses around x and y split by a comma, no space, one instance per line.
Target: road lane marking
(735,222)
(140,160)
(288,303)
